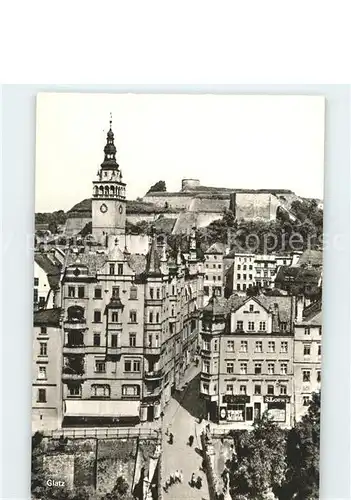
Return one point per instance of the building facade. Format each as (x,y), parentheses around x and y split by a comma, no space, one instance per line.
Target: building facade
(247,359)
(130,321)
(47,274)
(214,271)
(46,370)
(307,354)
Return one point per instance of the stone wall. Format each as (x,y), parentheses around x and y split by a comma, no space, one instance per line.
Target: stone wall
(75,224)
(252,206)
(208,456)
(179,201)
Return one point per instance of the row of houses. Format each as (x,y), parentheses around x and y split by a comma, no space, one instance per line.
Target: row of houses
(259,354)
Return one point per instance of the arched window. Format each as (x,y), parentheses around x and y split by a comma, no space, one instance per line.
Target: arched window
(101,189)
(96,191)
(112,190)
(107,192)
(75,313)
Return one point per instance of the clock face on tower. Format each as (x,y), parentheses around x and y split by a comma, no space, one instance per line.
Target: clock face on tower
(120,209)
(103,208)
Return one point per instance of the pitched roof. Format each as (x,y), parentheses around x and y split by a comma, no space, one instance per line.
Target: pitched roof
(153,263)
(51,268)
(93,261)
(216,248)
(313,257)
(47,317)
(217,305)
(137,262)
(312,315)
(284,303)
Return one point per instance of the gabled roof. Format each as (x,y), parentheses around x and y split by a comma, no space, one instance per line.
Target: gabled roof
(283,304)
(52,270)
(312,315)
(153,263)
(137,262)
(47,317)
(216,305)
(312,257)
(216,248)
(93,261)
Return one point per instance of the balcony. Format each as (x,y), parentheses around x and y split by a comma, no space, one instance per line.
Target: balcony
(67,377)
(73,324)
(153,375)
(154,351)
(74,349)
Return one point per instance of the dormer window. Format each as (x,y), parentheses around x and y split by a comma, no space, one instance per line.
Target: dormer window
(112,269)
(251,307)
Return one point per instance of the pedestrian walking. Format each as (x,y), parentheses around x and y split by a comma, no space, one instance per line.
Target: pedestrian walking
(181,476)
(191,440)
(192,480)
(171,438)
(198,483)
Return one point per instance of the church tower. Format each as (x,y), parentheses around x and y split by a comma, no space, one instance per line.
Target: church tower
(109,196)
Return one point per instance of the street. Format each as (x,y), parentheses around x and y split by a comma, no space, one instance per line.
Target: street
(181,415)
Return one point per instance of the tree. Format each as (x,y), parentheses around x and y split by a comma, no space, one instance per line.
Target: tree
(260,465)
(303,455)
(119,490)
(158,186)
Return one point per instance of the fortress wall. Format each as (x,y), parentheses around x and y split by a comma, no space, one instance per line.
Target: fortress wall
(135,218)
(205,218)
(75,224)
(180,201)
(254,206)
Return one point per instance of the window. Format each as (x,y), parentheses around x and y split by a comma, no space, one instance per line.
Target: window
(258,346)
(100,391)
(283,390)
(157,317)
(81,292)
(283,326)
(42,372)
(239,325)
(243,346)
(97,293)
(319,350)
(120,269)
(115,292)
(132,339)
(136,366)
(307,350)
(206,277)
(132,316)
(214,278)
(36,281)
(131,390)
(112,269)
(242,389)
(230,367)
(215,345)
(283,368)
(71,291)
(207,345)
(271,346)
(214,266)
(258,368)
(43,349)
(206,366)
(100,366)
(271,368)
(43,329)
(219,266)
(128,365)
(250,277)
(284,346)
(270,390)
(230,388)
(238,287)
(219,278)
(206,290)
(151,317)
(251,326)
(75,390)
(114,340)
(97,316)
(151,292)
(306,375)
(265,274)
(97,339)
(318,375)
(238,276)
(244,286)
(114,317)
(205,388)
(262,326)
(243,368)
(239,267)
(257,390)
(250,267)
(244,276)
(251,307)
(41,395)
(307,331)
(230,345)
(306,401)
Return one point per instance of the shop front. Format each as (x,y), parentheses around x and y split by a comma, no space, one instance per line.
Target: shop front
(236,409)
(277,407)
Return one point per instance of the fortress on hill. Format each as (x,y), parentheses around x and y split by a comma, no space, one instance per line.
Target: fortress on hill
(194,205)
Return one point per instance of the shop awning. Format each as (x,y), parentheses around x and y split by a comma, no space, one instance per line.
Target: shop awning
(91,408)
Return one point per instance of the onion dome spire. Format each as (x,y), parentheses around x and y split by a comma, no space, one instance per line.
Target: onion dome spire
(110,149)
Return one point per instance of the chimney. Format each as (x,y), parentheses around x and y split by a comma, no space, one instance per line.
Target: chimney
(275,318)
(299,308)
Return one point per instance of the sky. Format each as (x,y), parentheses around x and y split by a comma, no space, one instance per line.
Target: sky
(233,141)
